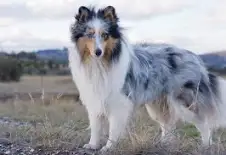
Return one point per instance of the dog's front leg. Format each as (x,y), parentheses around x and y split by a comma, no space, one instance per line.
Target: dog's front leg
(95,125)
(118,117)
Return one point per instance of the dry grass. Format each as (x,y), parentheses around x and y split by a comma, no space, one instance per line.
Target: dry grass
(61,123)
(32,84)
(49,125)
(32,87)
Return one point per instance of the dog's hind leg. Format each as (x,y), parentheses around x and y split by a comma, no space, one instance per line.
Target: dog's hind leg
(159,112)
(205,132)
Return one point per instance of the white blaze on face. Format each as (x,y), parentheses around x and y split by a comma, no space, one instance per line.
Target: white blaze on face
(97,26)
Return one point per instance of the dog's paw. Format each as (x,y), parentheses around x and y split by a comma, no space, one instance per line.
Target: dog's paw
(91,146)
(104,150)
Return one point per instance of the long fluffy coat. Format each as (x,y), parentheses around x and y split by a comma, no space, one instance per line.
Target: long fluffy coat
(154,75)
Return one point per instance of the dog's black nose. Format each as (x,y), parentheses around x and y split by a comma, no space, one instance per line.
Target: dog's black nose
(98,52)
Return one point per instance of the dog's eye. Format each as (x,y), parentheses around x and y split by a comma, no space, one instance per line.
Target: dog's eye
(104,36)
(90,35)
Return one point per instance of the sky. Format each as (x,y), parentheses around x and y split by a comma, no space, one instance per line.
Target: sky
(196,25)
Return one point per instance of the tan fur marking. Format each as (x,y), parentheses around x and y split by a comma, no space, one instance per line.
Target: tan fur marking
(161,105)
(85,46)
(109,45)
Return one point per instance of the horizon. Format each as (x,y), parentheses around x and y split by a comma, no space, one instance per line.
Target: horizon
(33,50)
(32,25)
(62,49)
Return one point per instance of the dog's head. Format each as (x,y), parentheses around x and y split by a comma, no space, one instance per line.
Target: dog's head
(96,34)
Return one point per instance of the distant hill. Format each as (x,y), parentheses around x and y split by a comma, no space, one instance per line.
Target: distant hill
(53,54)
(45,54)
(220,53)
(214,61)
(3,54)
(40,62)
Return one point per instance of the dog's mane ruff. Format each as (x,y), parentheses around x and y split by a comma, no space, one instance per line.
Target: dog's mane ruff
(102,80)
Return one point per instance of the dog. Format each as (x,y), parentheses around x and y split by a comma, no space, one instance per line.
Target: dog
(114,76)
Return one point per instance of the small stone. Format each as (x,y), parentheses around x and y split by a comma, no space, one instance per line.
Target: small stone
(6,135)
(5,141)
(7,152)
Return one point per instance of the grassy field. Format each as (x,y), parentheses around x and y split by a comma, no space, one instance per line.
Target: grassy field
(56,124)
(35,86)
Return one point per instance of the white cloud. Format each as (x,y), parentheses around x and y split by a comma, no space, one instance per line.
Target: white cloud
(31,44)
(67,8)
(20,38)
(5,21)
(195,25)
(136,9)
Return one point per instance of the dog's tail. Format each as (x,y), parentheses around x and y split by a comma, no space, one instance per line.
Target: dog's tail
(206,99)
(213,101)
(218,87)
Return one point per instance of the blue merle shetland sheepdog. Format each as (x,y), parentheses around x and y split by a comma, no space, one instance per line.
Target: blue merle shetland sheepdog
(114,76)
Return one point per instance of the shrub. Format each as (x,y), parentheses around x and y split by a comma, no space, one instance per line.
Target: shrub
(10,69)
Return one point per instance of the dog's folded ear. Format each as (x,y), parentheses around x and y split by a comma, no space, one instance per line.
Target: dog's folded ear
(110,14)
(83,14)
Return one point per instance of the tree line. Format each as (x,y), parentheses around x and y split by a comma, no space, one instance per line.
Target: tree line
(13,66)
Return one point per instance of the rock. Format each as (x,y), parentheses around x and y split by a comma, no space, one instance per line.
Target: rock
(7,152)
(5,142)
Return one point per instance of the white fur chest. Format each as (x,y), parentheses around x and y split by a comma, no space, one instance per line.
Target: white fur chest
(97,84)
